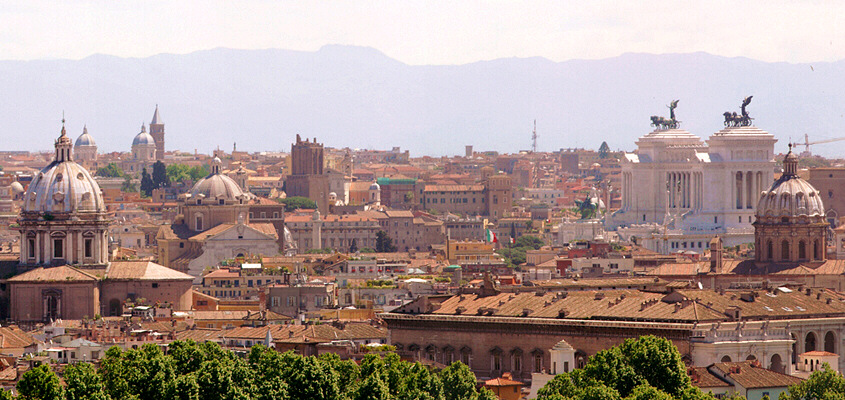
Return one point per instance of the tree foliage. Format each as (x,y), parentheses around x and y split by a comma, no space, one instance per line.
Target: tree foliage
(110,171)
(159,176)
(384,244)
(298,202)
(645,368)
(192,371)
(181,173)
(147,184)
(823,384)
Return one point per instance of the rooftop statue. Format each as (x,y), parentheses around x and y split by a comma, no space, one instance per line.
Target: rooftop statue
(662,123)
(733,119)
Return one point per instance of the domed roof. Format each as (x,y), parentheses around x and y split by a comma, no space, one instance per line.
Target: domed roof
(85,139)
(790,196)
(63,186)
(217,185)
(375,186)
(143,137)
(16,187)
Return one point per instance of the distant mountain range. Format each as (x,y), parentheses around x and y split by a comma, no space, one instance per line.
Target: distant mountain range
(357,97)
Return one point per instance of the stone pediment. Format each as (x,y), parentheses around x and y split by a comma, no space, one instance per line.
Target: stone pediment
(240,232)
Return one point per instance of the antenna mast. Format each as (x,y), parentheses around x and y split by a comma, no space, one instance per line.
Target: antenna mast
(534,138)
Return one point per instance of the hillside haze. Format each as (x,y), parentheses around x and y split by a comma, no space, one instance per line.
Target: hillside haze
(357,97)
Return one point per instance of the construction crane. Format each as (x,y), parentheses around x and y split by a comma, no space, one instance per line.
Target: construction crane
(534,138)
(807,143)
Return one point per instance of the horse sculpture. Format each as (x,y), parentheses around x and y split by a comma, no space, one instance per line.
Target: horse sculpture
(662,123)
(732,119)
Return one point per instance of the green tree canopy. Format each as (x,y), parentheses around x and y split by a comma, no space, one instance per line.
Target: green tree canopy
(147,184)
(822,384)
(384,244)
(159,176)
(110,171)
(40,383)
(298,202)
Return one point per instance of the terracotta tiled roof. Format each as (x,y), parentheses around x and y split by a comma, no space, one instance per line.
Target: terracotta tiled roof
(502,382)
(818,353)
(62,273)
(144,270)
(454,188)
(14,337)
(702,378)
(750,376)
(222,273)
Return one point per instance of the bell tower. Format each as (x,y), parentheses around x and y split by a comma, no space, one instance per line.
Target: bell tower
(157,132)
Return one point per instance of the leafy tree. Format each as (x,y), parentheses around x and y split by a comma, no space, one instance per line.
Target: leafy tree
(384,244)
(147,184)
(177,172)
(40,383)
(298,202)
(458,382)
(83,383)
(128,186)
(110,171)
(160,178)
(529,241)
(308,379)
(645,368)
(353,247)
(604,150)
(486,394)
(822,384)
(373,388)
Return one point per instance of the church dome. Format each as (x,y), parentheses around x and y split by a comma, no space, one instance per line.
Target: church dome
(16,187)
(375,186)
(790,196)
(217,185)
(143,138)
(85,139)
(63,186)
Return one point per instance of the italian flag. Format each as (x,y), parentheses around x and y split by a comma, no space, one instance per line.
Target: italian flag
(491,237)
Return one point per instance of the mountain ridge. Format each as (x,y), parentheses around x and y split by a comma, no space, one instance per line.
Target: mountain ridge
(356,96)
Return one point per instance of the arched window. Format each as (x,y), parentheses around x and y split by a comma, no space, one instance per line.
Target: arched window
(776,364)
(810,342)
(784,251)
(726,359)
(751,357)
(830,342)
(802,250)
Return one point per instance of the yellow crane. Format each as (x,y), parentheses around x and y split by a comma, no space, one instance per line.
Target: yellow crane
(807,143)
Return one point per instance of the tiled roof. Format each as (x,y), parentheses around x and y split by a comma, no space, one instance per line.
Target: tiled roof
(751,376)
(682,306)
(454,188)
(703,379)
(144,270)
(818,353)
(14,337)
(64,273)
(204,315)
(502,382)
(399,214)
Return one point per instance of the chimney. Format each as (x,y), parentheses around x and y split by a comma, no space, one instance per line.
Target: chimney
(716,254)
(262,300)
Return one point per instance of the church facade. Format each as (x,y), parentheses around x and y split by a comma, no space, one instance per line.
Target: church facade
(65,271)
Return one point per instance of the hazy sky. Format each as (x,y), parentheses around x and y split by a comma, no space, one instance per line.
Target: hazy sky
(428,32)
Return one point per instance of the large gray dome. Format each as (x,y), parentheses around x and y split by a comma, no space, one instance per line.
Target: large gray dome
(63,186)
(218,186)
(143,138)
(790,196)
(85,139)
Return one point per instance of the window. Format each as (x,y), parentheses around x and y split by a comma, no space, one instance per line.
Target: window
(538,362)
(88,248)
(497,362)
(274,301)
(199,223)
(58,248)
(275,214)
(181,245)
(31,248)
(221,202)
(263,214)
(155,285)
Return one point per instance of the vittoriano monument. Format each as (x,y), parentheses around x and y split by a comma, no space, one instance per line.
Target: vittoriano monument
(662,123)
(732,119)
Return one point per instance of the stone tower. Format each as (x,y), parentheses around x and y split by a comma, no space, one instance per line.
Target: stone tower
(157,132)
(498,195)
(307,178)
